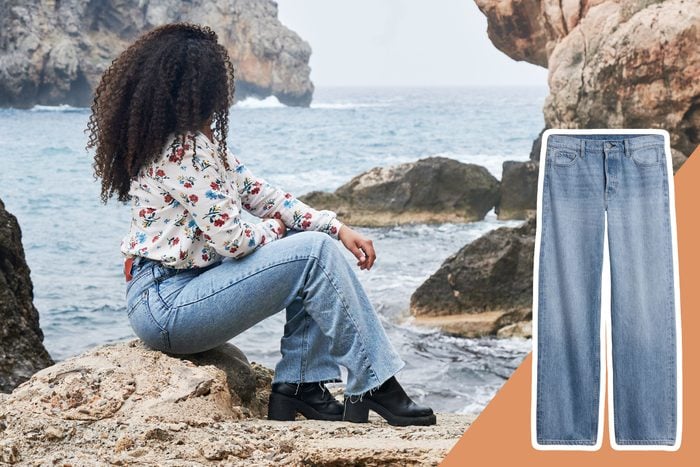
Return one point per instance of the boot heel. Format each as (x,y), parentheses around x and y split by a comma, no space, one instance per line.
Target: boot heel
(356,412)
(281,408)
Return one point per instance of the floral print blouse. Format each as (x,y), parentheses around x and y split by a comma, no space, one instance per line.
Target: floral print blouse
(186,207)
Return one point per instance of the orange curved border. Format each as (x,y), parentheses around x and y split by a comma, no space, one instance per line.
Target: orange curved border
(501,433)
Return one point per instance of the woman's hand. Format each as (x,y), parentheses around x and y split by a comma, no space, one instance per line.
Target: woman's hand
(359,245)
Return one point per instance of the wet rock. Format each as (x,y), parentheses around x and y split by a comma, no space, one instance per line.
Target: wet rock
(21,338)
(55,52)
(518,190)
(483,287)
(519,329)
(431,190)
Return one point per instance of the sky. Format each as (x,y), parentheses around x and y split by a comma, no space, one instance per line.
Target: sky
(402,43)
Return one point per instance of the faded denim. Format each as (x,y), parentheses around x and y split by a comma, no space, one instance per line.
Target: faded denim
(587,176)
(329,318)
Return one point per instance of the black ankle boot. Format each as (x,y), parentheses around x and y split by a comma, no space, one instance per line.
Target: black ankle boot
(312,400)
(392,403)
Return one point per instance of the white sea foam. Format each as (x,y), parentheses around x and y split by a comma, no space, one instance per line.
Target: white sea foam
(56,108)
(346,105)
(270,102)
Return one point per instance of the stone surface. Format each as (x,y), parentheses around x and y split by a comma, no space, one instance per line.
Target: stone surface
(612,63)
(22,350)
(125,403)
(482,288)
(54,52)
(518,190)
(530,29)
(519,329)
(431,190)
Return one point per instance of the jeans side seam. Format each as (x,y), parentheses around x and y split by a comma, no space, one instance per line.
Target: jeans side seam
(672,422)
(352,320)
(540,297)
(264,268)
(304,346)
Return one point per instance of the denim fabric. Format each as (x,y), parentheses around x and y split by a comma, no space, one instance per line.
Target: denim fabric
(586,177)
(329,318)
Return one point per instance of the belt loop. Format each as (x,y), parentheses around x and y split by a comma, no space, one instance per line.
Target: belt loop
(583,147)
(627,142)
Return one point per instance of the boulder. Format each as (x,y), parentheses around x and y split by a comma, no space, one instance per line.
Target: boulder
(54,52)
(518,190)
(126,404)
(483,287)
(21,339)
(430,190)
(612,63)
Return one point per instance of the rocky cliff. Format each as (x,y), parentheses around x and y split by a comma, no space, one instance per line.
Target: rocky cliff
(54,52)
(126,404)
(612,63)
(22,351)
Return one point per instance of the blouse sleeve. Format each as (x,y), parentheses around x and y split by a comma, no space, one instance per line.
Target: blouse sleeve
(262,199)
(194,180)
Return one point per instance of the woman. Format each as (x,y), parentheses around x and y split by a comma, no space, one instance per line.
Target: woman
(197,274)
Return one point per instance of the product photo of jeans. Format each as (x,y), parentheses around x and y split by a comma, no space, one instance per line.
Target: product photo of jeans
(592,183)
(329,318)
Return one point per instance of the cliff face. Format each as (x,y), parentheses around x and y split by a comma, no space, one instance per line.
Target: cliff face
(53,52)
(21,350)
(612,63)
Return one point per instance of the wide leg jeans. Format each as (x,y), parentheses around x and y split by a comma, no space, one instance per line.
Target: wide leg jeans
(590,180)
(329,318)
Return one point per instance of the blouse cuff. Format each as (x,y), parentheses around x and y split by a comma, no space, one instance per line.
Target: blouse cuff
(334,228)
(272,228)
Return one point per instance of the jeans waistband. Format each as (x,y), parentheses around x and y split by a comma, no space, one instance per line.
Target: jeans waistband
(629,142)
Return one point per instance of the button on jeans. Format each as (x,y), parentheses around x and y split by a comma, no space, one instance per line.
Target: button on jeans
(329,318)
(588,178)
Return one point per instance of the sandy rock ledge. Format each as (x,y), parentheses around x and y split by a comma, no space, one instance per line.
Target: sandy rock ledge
(125,404)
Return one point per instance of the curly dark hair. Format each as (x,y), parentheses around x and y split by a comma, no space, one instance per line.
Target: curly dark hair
(173,78)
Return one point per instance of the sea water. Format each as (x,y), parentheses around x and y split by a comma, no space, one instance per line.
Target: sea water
(72,240)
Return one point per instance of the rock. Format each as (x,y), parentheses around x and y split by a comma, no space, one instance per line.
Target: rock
(124,403)
(242,378)
(518,190)
(677,159)
(430,190)
(21,338)
(537,147)
(641,74)
(483,287)
(519,329)
(612,63)
(529,30)
(55,52)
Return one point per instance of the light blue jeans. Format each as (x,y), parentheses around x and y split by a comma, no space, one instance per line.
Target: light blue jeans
(330,320)
(587,176)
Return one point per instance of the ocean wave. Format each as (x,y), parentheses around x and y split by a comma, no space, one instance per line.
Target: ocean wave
(346,105)
(57,108)
(270,102)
